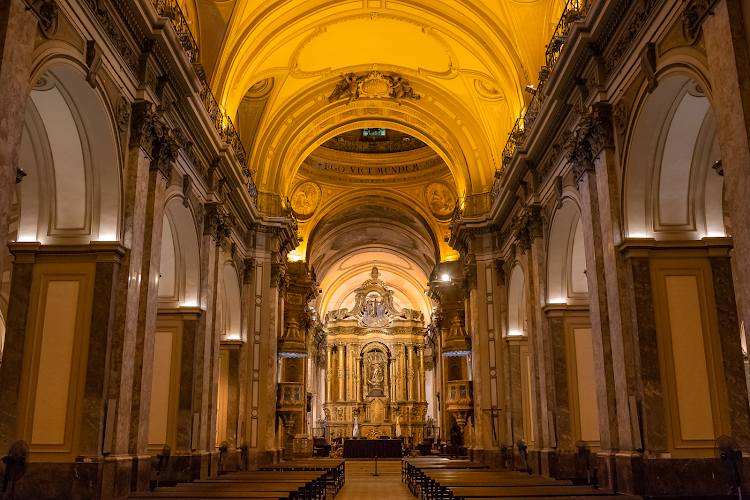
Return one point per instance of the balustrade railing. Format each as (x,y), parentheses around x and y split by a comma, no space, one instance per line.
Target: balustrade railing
(171,9)
(220,120)
(575,10)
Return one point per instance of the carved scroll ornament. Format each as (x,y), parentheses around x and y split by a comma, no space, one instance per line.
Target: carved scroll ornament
(373,85)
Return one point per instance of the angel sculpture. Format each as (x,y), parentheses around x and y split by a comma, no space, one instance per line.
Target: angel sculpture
(400,89)
(348,87)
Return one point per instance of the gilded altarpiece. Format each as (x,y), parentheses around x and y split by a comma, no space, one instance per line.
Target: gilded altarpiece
(375,367)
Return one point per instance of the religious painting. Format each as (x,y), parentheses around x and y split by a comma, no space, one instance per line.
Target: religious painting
(305,199)
(440,199)
(373,314)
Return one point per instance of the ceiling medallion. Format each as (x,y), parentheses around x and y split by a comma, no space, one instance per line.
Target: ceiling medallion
(373,85)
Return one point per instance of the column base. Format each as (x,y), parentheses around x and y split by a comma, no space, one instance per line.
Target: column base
(141,473)
(179,469)
(77,481)
(117,473)
(201,461)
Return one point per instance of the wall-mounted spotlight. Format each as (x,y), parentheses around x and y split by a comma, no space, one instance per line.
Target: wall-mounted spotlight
(445,277)
(530,89)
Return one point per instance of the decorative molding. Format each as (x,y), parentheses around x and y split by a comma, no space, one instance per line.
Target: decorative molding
(626,40)
(527,227)
(115,35)
(693,15)
(500,271)
(648,65)
(93,62)
(373,85)
(164,152)
(620,116)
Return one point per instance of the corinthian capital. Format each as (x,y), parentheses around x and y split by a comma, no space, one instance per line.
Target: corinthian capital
(596,128)
(527,227)
(469,273)
(165,151)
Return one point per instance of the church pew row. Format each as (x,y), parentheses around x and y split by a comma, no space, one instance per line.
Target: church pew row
(462,482)
(335,470)
(277,484)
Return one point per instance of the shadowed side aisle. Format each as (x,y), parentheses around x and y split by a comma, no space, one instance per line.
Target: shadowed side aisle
(362,485)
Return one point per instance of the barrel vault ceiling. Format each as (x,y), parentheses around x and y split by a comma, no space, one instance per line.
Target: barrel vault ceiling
(272,65)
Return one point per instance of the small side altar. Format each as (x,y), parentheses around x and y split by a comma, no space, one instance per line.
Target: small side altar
(375,367)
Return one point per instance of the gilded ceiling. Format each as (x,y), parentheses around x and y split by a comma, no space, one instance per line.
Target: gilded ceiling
(448,74)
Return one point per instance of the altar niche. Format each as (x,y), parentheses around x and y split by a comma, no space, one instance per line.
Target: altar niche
(375,369)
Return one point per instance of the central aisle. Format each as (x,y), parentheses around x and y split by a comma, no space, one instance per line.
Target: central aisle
(362,485)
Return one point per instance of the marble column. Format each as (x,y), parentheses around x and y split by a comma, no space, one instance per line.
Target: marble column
(562,401)
(341,396)
(190,322)
(329,374)
(471,311)
(164,152)
(513,389)
(18,28)
(144,125)
(233,394)
(420,364)
(203,342)
(728,58)
(621,328)
(599,316)
(11,368)
(91,435)
(278,271)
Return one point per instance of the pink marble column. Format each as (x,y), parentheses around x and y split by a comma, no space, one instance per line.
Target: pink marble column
(204,341)
(599,316)
(11,368)
(18,27)
(117,473)
(728,57)
(165,150)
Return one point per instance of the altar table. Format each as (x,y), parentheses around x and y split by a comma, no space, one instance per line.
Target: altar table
(372,448)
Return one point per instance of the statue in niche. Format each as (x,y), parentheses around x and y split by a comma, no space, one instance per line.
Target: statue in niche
(374,365)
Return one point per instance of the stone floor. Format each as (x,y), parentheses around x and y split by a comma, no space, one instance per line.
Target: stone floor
(362,485)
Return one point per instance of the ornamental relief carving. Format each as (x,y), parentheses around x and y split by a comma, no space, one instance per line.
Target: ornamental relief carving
(373,85)
(439,199)
(305,199)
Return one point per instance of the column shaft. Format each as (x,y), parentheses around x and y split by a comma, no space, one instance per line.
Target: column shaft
(329,374)
(411,371)
(420,358)
(341,374)
(358,378)
(18,27)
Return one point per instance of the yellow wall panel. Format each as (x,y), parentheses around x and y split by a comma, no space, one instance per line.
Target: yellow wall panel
(159,413)
(53,383)
(588,410)
(689,357)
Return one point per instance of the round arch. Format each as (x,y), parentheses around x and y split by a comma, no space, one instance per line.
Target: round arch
(231,305)
(83,202)
(179,284)
(566,265)
(670,190)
